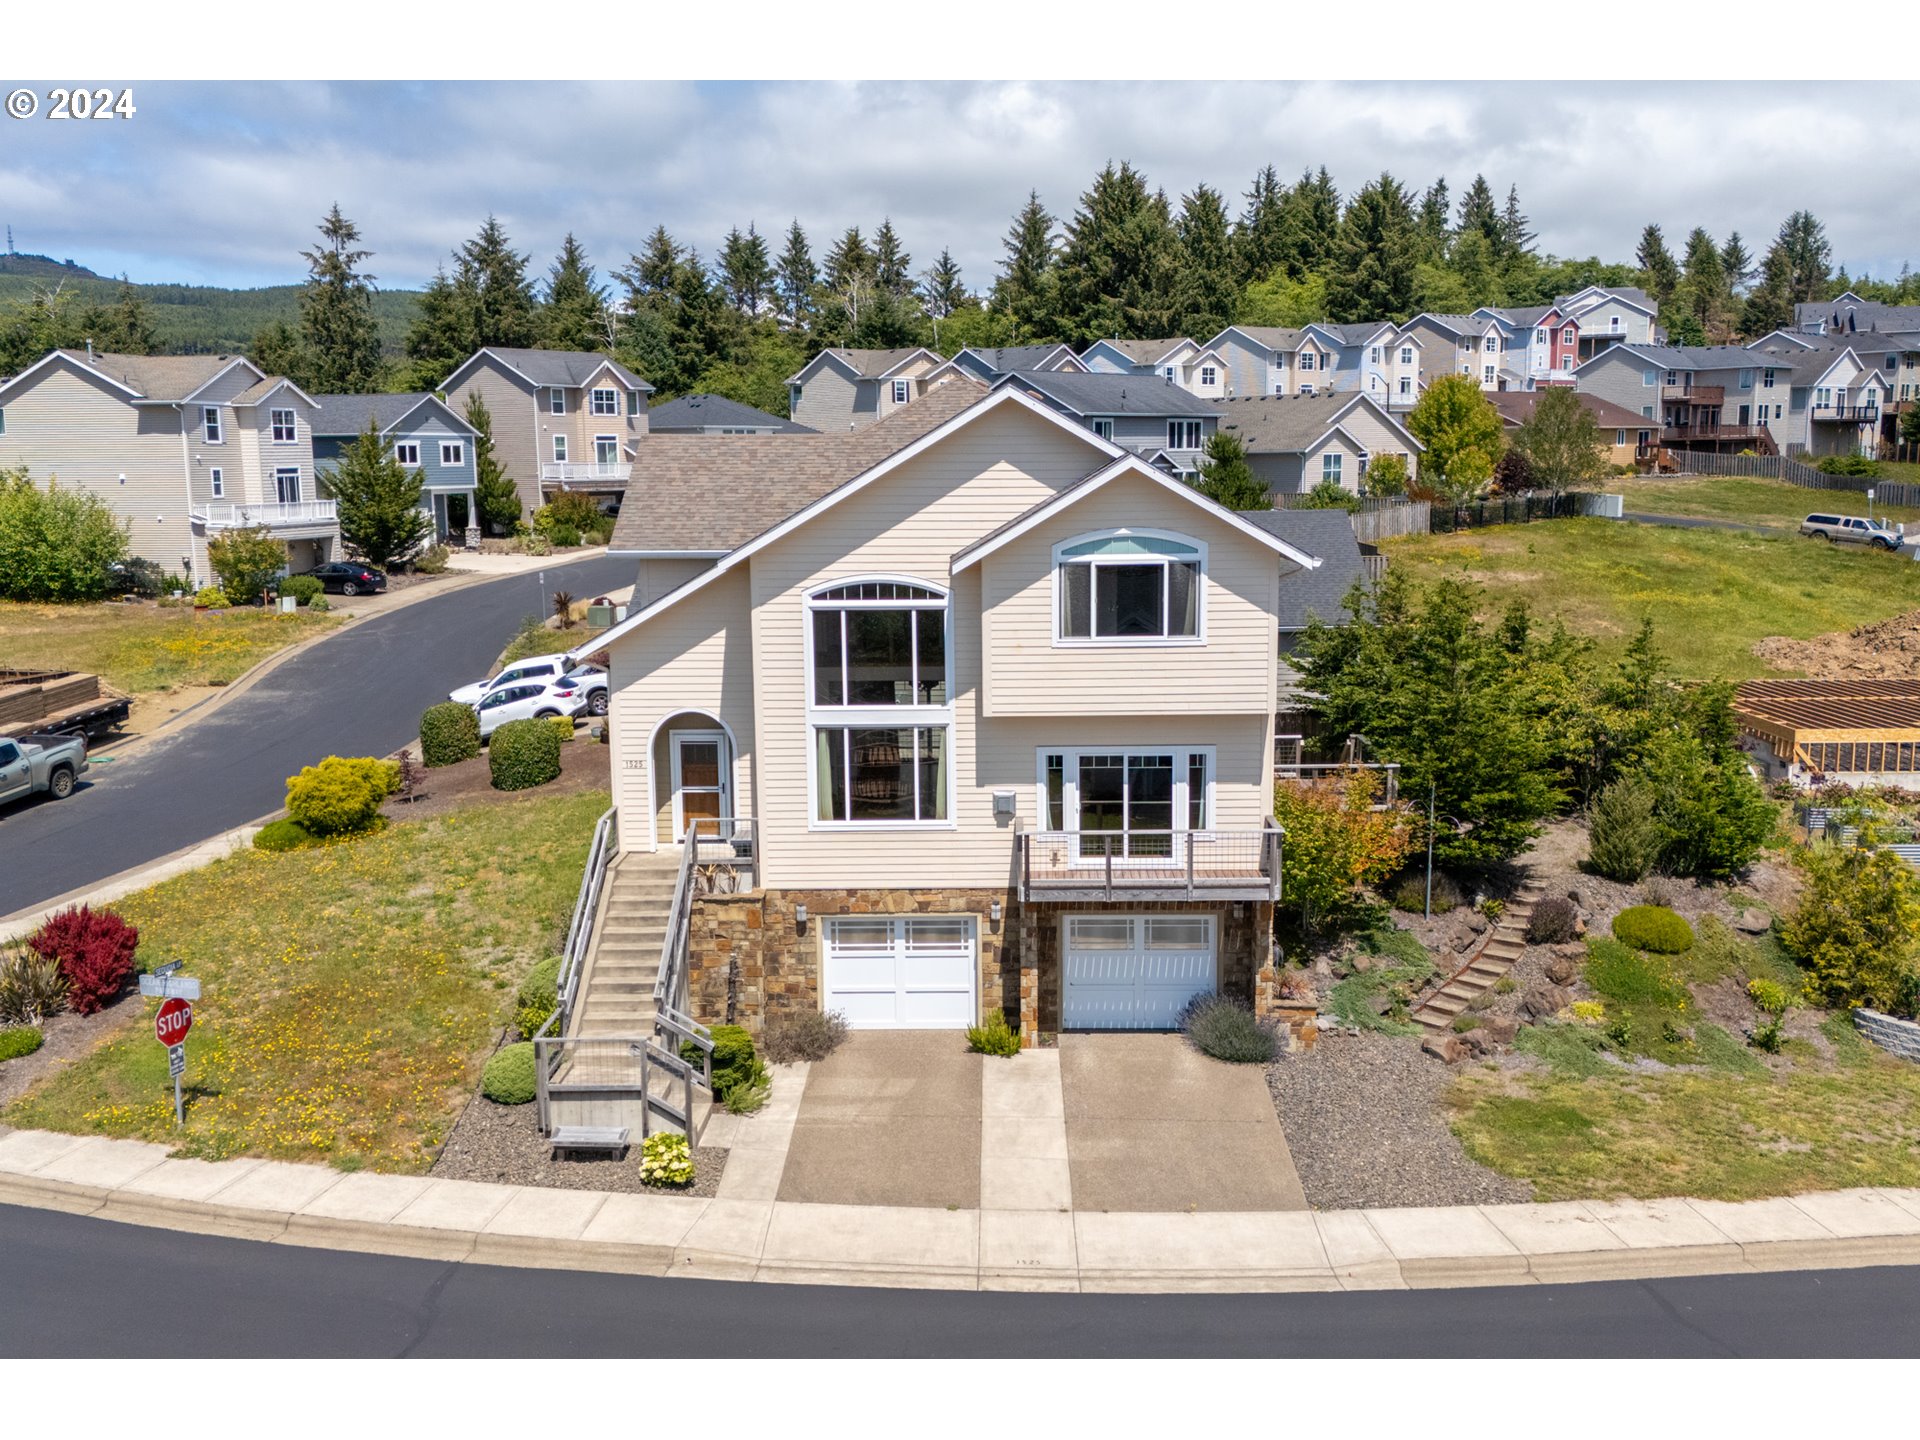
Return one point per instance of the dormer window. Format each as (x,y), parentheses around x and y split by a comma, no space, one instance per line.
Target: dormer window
(1569,335)
(605,402)
(902,391)
(1209,376)
(285,430)
(1306,359)
(1130,587)
(1406,354)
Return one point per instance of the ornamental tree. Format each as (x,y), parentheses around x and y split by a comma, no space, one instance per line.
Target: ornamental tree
(1461,431)
(1335,843)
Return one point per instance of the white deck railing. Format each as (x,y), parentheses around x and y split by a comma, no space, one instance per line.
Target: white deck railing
(570,474)
(272,514)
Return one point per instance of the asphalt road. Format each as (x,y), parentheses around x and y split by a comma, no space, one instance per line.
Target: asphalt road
(68,1279)
(1695,522)
(356,693)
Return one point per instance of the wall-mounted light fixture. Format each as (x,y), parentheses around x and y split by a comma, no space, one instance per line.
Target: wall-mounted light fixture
(993,911)
(800,918)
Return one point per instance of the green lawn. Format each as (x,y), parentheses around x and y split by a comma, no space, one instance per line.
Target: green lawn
(142,648)
(1711,593)
(1757,502)
(350,991)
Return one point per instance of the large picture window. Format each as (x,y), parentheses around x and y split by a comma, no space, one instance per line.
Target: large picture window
(1129,588)
(879,642)
(896,773)
(1127,802)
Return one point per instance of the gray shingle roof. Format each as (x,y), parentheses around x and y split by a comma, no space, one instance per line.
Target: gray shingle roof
(565,367)
(713,493)
(1622,292)
(155,377)
(1282,424)
(1274,337)
(349,414)
(1698,357)
(1458,324)
(1328,534)
(872,364)
(1356,334)
(1143,352)
(1005,359)
(1109,394)
(1522,317)
(695,412)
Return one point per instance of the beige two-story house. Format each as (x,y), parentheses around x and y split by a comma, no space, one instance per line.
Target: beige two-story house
(988,700)
(561,419)
(181,447)
(842,389)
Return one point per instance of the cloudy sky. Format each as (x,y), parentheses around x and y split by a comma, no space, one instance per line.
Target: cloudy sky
(221,183)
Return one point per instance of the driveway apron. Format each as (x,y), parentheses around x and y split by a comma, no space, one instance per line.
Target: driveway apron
(1153,1125)
(890,1118)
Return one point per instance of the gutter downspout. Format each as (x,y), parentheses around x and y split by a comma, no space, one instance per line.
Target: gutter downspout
(186,471)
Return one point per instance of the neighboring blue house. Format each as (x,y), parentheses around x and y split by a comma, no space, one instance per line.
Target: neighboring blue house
(426,435)
(1147,414)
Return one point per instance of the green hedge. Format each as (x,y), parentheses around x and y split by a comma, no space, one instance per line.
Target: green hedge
(281,835)
(735,1065)
(302,588)
(342,794)
(449,733)
(522,754)
(539,997)
(1653,928)
(508,1078)
(19,1040)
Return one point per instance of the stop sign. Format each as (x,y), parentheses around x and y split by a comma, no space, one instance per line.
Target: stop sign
(170,1026)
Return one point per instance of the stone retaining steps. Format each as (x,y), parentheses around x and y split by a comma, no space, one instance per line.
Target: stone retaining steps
(1506,942)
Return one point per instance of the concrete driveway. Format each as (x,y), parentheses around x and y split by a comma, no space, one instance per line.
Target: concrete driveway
(1152,1124)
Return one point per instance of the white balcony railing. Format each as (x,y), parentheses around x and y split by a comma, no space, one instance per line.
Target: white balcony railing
(564,475)
(273,514)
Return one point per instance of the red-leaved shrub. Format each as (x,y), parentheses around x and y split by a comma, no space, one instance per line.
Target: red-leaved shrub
(94,949)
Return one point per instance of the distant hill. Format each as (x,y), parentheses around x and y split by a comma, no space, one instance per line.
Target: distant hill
(196,319)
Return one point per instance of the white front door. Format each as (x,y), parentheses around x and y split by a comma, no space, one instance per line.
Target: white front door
(910,972)
(701,793)
(1134,972)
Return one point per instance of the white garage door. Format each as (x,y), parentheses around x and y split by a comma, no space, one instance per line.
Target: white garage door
(914,972)
(1134,972)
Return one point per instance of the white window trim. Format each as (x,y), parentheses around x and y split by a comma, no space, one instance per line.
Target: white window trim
(556,401)
(612,412)
(400,449)
(293,426)
(877,717)
(1130,642)
(1070,792)
(560,450)
(217,481)
(1103,427)
(294,471)
(1197,427)
(902,391)
(1209,375)
(614,441)
(453,452)
(212,431)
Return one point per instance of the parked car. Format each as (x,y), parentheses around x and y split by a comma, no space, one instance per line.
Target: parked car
(533,700)
(522,672)
(592,681)
(348,577)
(32,763)
(1851,529)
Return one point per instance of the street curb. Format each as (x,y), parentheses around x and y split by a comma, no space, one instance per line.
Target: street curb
(104,891)
(528,1227)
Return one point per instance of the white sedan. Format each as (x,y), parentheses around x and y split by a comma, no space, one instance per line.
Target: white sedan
(532,699)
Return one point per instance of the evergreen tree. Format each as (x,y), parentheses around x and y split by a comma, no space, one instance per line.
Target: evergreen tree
(796,279)
(1118,267)
(849,262)
(495,494)
(1702,293)
(1472,262)
(1313,215)
(1227,479)
(1736,264)
(1685,329)
(1477,212)
(1208,295)
(1378,253)
(1769,304)
(942,287)
(747,269)
(1026,290)
(1803,242)
(441,335)
(494,275)
(654,272)
(1433,220)
(892,266)
(1658,271)
(341,348)
(276,349)
(1260,242)
(574,316)
(1515,238)
(123,327)
(702,328)
(381,519)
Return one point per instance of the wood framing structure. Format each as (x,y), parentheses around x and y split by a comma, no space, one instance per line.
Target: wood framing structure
(1835,727)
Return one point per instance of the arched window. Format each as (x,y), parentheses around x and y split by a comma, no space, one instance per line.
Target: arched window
(1129,587)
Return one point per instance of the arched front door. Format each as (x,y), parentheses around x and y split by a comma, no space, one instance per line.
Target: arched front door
(702,781)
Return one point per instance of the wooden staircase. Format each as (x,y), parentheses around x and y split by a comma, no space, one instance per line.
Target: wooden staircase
(1505,942)
(616,991)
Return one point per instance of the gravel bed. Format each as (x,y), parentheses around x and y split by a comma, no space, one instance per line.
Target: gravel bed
(1366,1124)
(500,1143)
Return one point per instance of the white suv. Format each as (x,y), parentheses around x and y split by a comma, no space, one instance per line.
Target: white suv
(532,699)
(537,671)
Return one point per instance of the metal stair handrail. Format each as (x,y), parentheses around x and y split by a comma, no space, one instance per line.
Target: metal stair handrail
(586,911)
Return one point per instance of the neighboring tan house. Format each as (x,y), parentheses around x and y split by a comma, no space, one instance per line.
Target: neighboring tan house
(1704,397)
(989,706)
(988,363)
(1624,433)
(561,419)
(1296,442)
(1377,360)
(180,446)
(425,434)
(841,390)
(1155,418)
(715,415)
(1471,345)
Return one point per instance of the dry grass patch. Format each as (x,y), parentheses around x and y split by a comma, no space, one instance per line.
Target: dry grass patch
(1748,501)
(143,648)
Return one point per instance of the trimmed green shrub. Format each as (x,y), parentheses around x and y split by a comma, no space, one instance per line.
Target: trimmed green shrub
(341,795)
(31,988)
(1847,465)
(1654,928)
(803,1035)
(562,726)
(539,997)
(735,1065)
(278,836)
(996,1037)
(432,560)
(19,1040)
(1623,837)
(1553,921)
(319,604)
(666,1160)
(508,1078)
(211,595)
(1227,1029)
(564,537)
(522,754)
(449,733)
(570,508)
(304,589)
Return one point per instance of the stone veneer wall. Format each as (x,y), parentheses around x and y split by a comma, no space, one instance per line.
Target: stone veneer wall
(749,960)
(1897,1037)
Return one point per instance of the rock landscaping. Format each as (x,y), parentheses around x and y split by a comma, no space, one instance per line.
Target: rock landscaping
(500,1143)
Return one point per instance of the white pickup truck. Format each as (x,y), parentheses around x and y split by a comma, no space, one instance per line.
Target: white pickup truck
(32,763)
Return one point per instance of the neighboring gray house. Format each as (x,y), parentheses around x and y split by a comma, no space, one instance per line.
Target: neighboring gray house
(840,390)
(716,415)
(561,419)
(424,433)
(988,363)
(1847,315)
(1318,594)
(1139,357)
(1705,397)
(1295,442)
(1153,417)
(1473,345)
(1607,315)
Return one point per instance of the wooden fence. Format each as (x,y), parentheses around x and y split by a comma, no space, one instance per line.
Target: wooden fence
(1391,518)
(1794,472)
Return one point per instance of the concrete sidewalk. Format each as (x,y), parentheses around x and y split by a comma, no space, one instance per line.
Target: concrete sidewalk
(993,1249)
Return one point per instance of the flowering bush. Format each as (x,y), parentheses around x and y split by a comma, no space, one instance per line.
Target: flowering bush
(341,796)
(666,1160)
(211,595)
(94,949)
(1588,1012)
